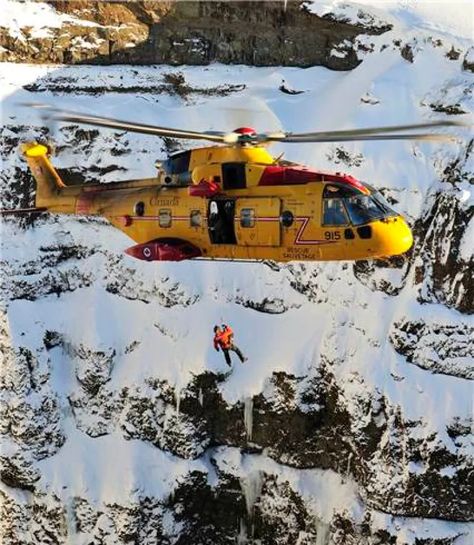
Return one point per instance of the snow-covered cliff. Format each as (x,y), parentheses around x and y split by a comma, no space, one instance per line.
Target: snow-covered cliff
(351,422)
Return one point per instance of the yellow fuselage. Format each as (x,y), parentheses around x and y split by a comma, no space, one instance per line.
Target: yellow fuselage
(146,211)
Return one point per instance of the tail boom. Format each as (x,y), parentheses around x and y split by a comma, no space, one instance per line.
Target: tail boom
(52,193)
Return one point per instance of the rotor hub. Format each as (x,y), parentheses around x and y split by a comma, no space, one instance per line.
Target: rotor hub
(247,131)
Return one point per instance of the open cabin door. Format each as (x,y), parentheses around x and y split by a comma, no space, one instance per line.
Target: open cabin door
(257,221)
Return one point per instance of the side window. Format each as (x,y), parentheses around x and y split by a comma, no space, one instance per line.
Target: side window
(164,216)
(247,217)
(334,212)
(195,218)
(139,208)
(178,163)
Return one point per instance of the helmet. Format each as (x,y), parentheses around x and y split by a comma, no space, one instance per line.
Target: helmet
(216,328)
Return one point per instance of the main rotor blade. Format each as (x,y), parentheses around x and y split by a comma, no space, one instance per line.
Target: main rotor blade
(337,135)
(20,211)
(110,123)
(369,133)
(137,127)
(421,136)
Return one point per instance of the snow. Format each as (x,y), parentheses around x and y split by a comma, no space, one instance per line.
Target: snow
(466,248)
(303,329)
(412,530)
(448,471)
(349,325)
(323,490)
(336,53)
(455,17)
(124,467)
(110,469)
(38,17)
(290,342)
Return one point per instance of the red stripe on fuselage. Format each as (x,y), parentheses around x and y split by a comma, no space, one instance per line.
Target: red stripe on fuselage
(312,242)
(299,235)
(297,174)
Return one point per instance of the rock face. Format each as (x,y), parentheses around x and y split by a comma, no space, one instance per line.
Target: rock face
(176,33)
(442,348)
(351,422)
(446,270)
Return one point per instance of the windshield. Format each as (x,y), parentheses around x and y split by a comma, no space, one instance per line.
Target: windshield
(365,208)
(382,202)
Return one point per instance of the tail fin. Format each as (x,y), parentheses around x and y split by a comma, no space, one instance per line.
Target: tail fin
(49,185)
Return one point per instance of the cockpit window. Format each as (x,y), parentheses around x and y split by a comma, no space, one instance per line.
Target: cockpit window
(177,163)
(365,208)
(334,212)
(382,202)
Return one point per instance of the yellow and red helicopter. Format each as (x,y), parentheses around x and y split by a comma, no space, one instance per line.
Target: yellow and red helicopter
(233,200)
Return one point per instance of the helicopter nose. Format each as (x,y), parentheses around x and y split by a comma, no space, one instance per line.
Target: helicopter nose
(393,236)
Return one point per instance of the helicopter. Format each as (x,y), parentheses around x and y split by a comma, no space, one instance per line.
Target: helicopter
(233,200)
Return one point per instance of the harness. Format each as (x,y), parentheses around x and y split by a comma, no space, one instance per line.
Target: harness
(224,338)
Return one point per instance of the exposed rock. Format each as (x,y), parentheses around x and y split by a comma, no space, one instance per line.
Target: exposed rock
(207,515)
(172,83)
(121,281)
(368,98)
(456,172)
(248,462)
(443,270)
(40,520)
(468,61)
(198,512)
(35,424)
(441,348)
(280,515)
(93,368)
(388,276)
(270,306)
(16,369)
(188,33)
(450,109)
(369,21)
(451,98)
(287,90)
(17,471)
(341,155)
(300,423)
(51,282)
(453,54)
(407,52)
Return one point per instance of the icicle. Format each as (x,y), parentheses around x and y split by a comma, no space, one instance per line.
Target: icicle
(200,397)
(70,520)
(248,417)
(348,469)
(242,537)
(251,487)
(322,535)
(177,398)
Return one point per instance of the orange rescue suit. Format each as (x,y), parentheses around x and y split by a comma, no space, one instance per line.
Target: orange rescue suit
(223,338)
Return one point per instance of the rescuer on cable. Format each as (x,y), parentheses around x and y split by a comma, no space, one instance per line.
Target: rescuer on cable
(224,339)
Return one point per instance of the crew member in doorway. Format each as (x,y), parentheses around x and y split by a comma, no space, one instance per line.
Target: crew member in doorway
(224,339)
